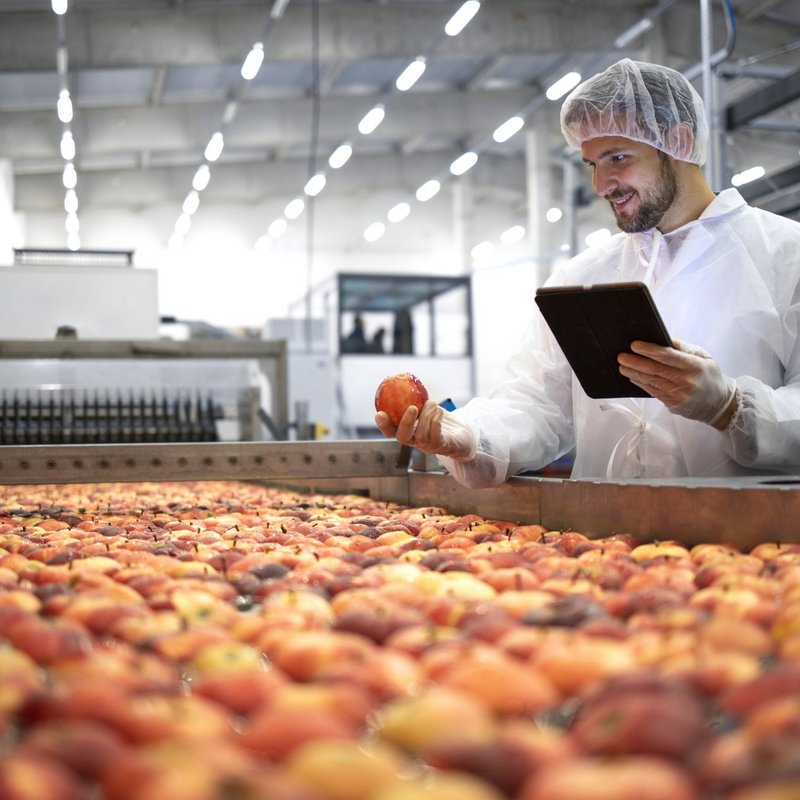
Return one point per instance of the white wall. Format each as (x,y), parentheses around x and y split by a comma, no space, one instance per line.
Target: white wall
(219,278)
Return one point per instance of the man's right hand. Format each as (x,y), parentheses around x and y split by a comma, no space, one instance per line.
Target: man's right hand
(431,430)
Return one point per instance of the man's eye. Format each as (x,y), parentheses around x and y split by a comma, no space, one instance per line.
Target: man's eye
(618,158)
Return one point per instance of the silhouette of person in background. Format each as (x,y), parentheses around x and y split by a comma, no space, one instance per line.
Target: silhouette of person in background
(376,345)
(356,340)
(403,334)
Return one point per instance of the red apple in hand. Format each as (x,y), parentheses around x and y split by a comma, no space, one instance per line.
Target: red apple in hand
(397,392)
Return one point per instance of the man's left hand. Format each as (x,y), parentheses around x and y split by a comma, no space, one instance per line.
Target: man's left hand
(685,378)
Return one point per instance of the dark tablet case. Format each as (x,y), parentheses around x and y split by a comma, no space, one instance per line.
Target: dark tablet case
(593,324)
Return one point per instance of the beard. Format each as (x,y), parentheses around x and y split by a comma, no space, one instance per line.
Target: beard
(653,203)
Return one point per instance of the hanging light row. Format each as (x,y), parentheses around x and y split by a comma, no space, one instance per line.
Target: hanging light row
(65,111)
(367,125)
(213,150)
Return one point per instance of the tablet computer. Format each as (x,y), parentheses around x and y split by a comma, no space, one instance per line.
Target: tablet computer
(593,324)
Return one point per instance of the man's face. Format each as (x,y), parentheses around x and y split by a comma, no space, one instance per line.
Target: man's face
(639,182)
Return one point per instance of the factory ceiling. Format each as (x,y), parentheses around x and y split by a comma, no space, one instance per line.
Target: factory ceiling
(152,80)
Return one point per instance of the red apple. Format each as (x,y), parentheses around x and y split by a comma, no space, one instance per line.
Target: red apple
(397,392)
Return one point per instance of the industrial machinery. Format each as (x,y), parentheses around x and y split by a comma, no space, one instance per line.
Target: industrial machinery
(73,391)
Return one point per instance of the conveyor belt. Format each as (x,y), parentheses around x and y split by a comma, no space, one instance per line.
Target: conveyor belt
(742,512)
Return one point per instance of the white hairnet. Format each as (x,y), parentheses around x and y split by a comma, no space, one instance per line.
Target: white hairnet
(644,102)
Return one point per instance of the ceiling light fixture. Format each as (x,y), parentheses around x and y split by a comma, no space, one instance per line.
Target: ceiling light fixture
(315,184)
(201,178)
(563,85)
(191,203)
(253,61)
(73,242)
(505,131)
(374,232)
(372,119)
(411,74)
(482,251)
(67,146)
(428,190)
(462,17)
(214,147)
(294,208)
(59,6)
(398,213)
(747,175)
(553,214)
(69,177)
(340,156)
(72,224)
(64,106)
(182,224)
(277,228)
(71,202)
(464,163)
(512,235)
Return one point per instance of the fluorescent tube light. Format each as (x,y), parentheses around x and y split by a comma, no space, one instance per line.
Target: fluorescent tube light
(253,61)
(191,203)
(461,18)
(316,183)
(372,119)
(70,176)
(59,6)
(374,231)
(411,74)
(398,212)
(73,242)
(64,106)
(72,224)
(201,178)
(294,208)
(277,228)
(214,147)
(512,235)
(428,190)
(182,224)
(747,175)
(505,131)
(340,156)
(482,251)
(464,163)
(71,202)
(563,85)
(67,146)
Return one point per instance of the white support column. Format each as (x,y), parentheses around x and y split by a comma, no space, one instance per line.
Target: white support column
(539,182)
(463,223)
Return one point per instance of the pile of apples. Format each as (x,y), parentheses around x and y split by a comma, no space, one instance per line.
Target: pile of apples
(221,640)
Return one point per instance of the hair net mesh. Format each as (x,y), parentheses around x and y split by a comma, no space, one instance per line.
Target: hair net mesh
(644,102)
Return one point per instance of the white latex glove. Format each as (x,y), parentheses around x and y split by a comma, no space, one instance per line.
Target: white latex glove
(432,430)
(684,377)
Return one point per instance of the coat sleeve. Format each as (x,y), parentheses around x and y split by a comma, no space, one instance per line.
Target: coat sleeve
(526,422)
(765,431)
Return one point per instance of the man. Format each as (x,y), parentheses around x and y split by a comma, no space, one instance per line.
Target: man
(725,277)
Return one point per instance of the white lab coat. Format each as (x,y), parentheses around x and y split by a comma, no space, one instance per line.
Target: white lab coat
(728,282)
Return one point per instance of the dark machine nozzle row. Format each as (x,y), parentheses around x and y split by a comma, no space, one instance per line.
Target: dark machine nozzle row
(75,417)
